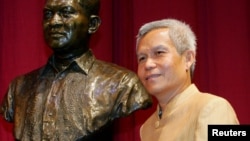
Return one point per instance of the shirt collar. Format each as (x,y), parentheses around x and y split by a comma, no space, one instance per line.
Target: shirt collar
(178,100)
(84,62)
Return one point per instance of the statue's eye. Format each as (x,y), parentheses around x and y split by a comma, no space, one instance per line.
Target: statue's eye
(47,14)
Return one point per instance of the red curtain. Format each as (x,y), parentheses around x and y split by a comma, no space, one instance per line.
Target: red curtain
(223,56)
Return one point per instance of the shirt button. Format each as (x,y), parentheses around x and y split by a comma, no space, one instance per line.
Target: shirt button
(67,128)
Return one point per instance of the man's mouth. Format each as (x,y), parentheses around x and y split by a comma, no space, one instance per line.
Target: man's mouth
(56,34)
(152,76)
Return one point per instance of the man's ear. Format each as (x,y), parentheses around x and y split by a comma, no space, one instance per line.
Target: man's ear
(190,58)
(94,24)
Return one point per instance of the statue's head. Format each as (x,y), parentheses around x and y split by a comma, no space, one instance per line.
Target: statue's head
(68,24)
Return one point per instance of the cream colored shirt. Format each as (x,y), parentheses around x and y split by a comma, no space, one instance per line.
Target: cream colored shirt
(187,116)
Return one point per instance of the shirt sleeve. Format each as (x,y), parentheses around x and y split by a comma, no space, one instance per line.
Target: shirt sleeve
(133,96)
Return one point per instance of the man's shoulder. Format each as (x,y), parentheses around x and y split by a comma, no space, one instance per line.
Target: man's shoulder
(210,97)
(30,74)
(210,101)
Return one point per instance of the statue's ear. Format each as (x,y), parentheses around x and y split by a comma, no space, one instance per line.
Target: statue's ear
(94,24)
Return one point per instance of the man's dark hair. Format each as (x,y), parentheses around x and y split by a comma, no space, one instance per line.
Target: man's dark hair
(91,7)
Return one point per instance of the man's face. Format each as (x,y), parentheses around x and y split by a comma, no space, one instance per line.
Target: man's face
(160,67)
(65,24)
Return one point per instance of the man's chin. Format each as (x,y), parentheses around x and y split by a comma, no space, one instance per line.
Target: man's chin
(57,46)
(56,43)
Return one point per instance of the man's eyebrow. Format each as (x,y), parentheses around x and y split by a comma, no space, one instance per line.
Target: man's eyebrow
(159,47)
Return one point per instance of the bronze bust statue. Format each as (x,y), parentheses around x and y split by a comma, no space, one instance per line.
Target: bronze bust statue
(73,96)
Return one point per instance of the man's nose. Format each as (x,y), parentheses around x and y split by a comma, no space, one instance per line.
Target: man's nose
(149,64)
(56,20)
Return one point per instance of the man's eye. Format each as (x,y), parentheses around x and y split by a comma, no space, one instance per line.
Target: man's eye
(159,52)
(66,13)
(47,14)
(140,59)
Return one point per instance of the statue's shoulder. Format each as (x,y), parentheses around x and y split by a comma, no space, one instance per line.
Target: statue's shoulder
(108,67)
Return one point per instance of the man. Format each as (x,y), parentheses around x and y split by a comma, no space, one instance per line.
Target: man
(166,51)
(74,96)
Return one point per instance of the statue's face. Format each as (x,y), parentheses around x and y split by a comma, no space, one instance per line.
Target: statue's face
(65,24)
